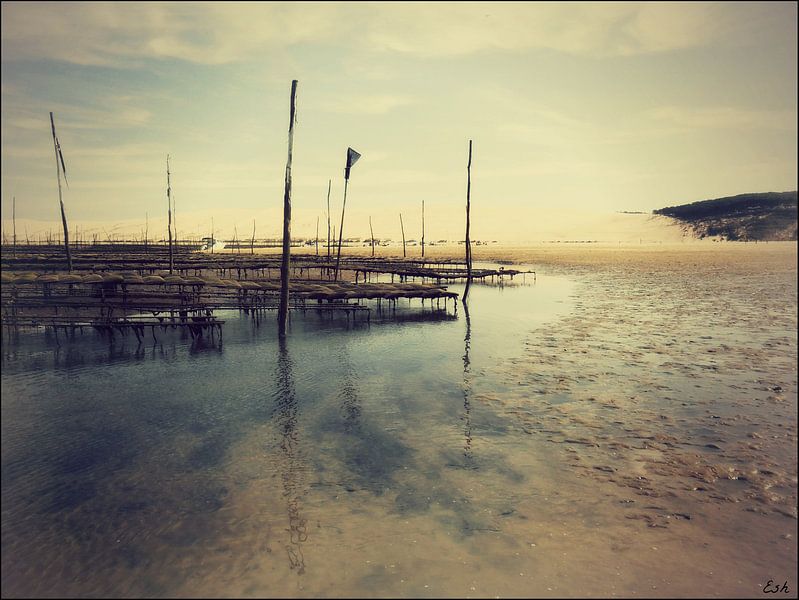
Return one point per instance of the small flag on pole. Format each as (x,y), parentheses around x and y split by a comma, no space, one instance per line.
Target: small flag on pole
(352,158)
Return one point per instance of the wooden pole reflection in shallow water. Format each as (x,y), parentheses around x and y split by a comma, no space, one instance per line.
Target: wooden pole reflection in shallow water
(467,387)
(283,308)
(348,395)
(286,410)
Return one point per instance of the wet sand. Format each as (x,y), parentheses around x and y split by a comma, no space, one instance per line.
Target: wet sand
(640,444)
(670,392)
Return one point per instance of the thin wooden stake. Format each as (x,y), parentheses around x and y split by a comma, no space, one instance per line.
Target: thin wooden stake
(341,228)
(422,228)
(175,222)
(283,308)
(169,211)
(468,207)
(403,236)
(59,165)
(14,224)
(317,235)
(252,242)
(329,183)
(372,233)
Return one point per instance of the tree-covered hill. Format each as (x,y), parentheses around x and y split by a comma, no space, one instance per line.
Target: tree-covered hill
(758,216)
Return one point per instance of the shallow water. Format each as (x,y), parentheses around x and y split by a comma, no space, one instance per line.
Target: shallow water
(416,455)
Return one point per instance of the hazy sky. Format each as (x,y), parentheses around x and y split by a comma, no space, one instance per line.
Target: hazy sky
(595,107)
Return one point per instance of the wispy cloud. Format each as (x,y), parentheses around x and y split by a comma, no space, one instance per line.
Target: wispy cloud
(359,104)
(209,33)
(724,117)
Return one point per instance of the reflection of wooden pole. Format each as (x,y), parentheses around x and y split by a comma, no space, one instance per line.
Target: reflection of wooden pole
(60,200)
(468,242)
(422,228)
(372,233)
(283,308)
(341,228)
(403,236)
(467,387)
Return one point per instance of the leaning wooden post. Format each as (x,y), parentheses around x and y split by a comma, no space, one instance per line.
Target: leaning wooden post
(169,211)
(283,308)
(59,167)
(14,224)
(468,206)
(175,223)
(341,230)
(372,234)
(329,183)
(403,236)
(352,158)
(422,228)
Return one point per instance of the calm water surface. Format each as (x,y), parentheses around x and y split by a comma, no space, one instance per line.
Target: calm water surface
(351,460)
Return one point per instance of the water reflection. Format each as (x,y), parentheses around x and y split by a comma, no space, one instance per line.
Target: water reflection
(467,387)
(291,475)
(199,463)
(348,396)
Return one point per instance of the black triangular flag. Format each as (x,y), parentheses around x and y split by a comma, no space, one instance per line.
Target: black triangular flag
(352,158)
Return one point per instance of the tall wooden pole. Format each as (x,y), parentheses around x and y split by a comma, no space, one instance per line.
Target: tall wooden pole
(175,222)
(372,234)
(212,235)
(283,308)
(422,228)
(146,229)
(14,224)
(403,236)
(317,235)
(169,211)
(329,183)
(58,167)
(468,241)
(341,229)
(252,241)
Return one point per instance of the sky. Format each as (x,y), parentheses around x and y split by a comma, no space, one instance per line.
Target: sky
(574,109)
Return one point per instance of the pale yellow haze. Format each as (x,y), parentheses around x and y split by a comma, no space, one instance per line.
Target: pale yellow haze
(577,111)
